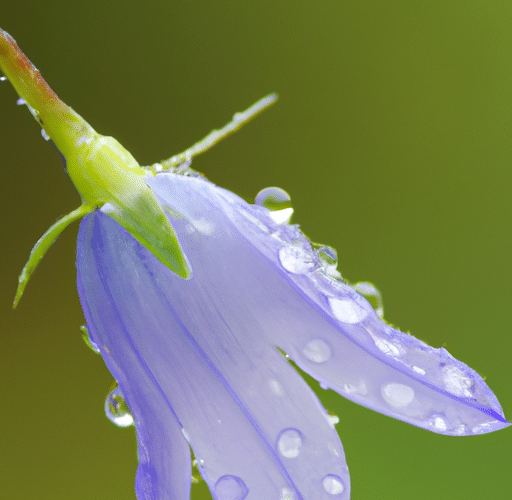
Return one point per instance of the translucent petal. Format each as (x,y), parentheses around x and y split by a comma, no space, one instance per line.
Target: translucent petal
(303,304)
(199,356)
(251,420)
(164,471)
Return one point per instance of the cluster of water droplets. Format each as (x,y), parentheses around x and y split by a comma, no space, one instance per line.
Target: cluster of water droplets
(434,367)
(303,257)
(296,257)
(289,444)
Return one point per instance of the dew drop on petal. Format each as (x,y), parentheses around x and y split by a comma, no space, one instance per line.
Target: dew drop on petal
(230,488)
(328,261)
(460,430)
(387,347)
(273,198)
(438,423)
(333,420)
(333,484)
(3,78)
(295,259)
(419,370)
(327,256)
(289,443)
(21,101)
(275,387)
(203,226)
(117,410)
(278,202)
(482,428)
(370,292)
(397,395)
(317,350)
(286,494)
(347,310)
(457,382)
(360,388)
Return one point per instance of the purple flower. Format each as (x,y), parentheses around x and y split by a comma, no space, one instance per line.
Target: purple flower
(200,361)
(195,299)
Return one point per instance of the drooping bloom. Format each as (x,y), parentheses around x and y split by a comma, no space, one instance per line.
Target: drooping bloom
(193,296)
(198,362)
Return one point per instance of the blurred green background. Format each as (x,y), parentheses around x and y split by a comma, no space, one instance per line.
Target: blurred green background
(392,135)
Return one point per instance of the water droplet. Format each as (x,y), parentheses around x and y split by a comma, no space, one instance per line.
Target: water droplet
(46,137)
(460,430)
(327,256)
(419,370)
(21,101)
(296,260)
(230,488)
(438,423)
(87,339)
(286,494)
(289,443)
(356,389)
(387,347)
(347,310)
(317,350)
(3,78)
(483,428)
(273,198)
(328,260)
(333,419)
(278,202)
(282,216)
(333,484)
(457,382)
(203,226)
(370,292)
(397,395)
(117,410)
(275,387)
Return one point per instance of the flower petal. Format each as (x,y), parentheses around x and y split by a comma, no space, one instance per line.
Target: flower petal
(326,327)
(199,356)
(256,428)
(164,470)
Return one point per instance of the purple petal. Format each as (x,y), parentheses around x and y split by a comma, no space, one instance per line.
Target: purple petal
(257,430)
(306,310)
(197,359)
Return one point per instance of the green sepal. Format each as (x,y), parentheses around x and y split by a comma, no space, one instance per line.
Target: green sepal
(44,243)
(146,221)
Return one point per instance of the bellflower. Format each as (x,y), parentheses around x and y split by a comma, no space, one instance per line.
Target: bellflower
(197,300)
